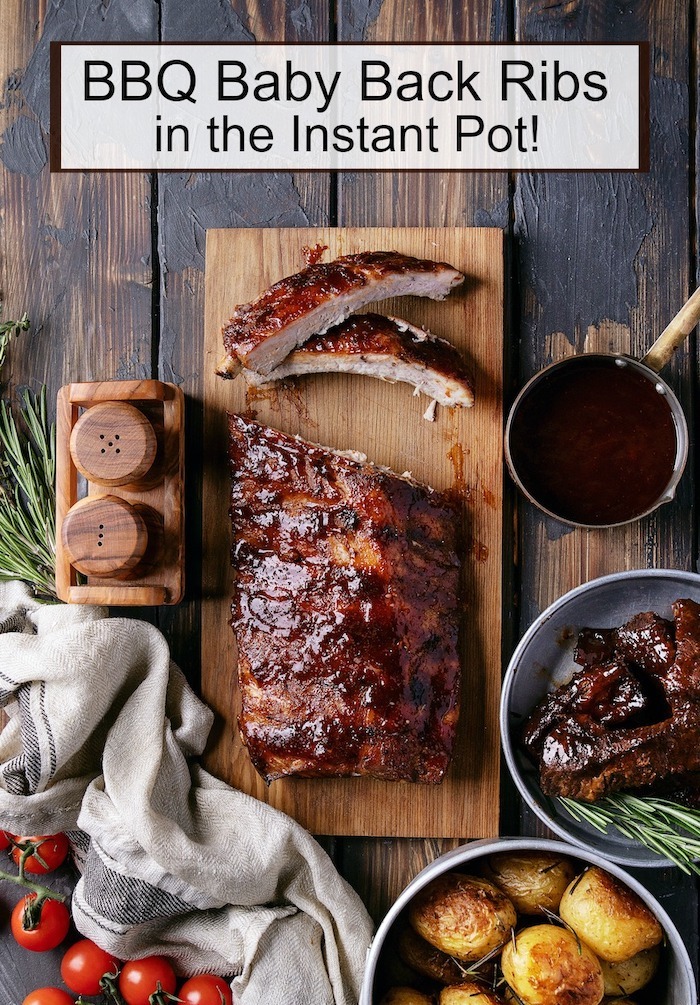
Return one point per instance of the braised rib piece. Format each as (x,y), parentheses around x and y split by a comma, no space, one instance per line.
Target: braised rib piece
(586,751)
(384,347)
(647,643)
(595,645)
(261,334)
(345,612)
(609,694)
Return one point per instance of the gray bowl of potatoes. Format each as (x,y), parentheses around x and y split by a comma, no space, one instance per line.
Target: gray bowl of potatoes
(526,921)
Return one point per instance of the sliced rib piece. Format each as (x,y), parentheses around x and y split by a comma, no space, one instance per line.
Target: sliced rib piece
(345,611)
(384,347)
(260,334)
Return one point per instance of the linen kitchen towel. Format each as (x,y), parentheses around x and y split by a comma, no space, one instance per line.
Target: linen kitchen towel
(102,735)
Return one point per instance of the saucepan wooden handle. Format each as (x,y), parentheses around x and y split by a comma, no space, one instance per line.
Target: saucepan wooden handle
(674,334)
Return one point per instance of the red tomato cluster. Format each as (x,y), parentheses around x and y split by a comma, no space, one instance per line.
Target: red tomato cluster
(41,922)
(140,978)
(49,851)
(139,981)
(47,932)
(206,990)
(49,996)
(84,965)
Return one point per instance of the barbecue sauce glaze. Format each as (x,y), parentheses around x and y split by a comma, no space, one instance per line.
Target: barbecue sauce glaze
(346,611)
(594,442)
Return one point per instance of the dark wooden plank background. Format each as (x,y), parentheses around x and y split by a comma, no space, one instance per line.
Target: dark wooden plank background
(110,269)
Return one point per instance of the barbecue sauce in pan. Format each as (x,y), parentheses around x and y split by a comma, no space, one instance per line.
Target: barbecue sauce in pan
(594,442)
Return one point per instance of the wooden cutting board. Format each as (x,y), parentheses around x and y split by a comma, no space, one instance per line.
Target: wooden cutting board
(461,449)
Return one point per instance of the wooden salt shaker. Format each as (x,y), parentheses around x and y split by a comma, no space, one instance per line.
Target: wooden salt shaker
(113,443)
(123,529)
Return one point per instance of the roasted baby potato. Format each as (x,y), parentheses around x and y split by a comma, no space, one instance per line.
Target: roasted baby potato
(405,996)
(464,916)
(533,881)
(468,993)
(548,965)
(608,916)
(630,975)
(425,959)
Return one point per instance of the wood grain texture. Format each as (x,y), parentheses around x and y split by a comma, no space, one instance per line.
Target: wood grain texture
(611,282)
(190,204)
(461,450)
(601,260)
(74,249)
(75,253)
(417,199)
(617,292)
(408,199)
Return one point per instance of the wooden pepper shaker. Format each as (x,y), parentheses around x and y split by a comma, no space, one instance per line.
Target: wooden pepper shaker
(105,536)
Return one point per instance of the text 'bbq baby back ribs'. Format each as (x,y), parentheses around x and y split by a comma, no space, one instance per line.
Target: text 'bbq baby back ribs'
(345,611)
(630,720)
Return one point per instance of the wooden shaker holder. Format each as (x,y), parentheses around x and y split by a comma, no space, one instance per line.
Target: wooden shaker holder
(126,535)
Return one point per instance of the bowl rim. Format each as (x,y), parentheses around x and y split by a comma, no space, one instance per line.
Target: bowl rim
(486,846)
(680,423)
(508,747)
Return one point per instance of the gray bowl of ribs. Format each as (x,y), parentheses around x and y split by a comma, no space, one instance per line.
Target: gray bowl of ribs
(544,660)
(674,983)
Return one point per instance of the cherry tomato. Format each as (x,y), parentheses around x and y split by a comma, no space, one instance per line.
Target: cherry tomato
(84,965)
(5,839)
(49,996)
(206,990)
(140,978)
(53,850)
(51,928)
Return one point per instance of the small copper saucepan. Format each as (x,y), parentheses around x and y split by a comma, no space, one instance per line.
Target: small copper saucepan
(599,439)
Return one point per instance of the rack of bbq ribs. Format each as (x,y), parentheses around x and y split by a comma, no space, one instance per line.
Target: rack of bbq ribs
(630,718)
(346,592)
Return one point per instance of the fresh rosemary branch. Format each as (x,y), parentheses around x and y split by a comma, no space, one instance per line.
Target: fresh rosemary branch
(10,330)
(27,493)
(667,828)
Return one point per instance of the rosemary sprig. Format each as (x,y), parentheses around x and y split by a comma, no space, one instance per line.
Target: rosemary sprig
(27,492)
(665,827)
(10,330)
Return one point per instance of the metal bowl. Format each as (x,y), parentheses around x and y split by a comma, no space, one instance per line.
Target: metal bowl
(544,659)
(571,362)
(679,979)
